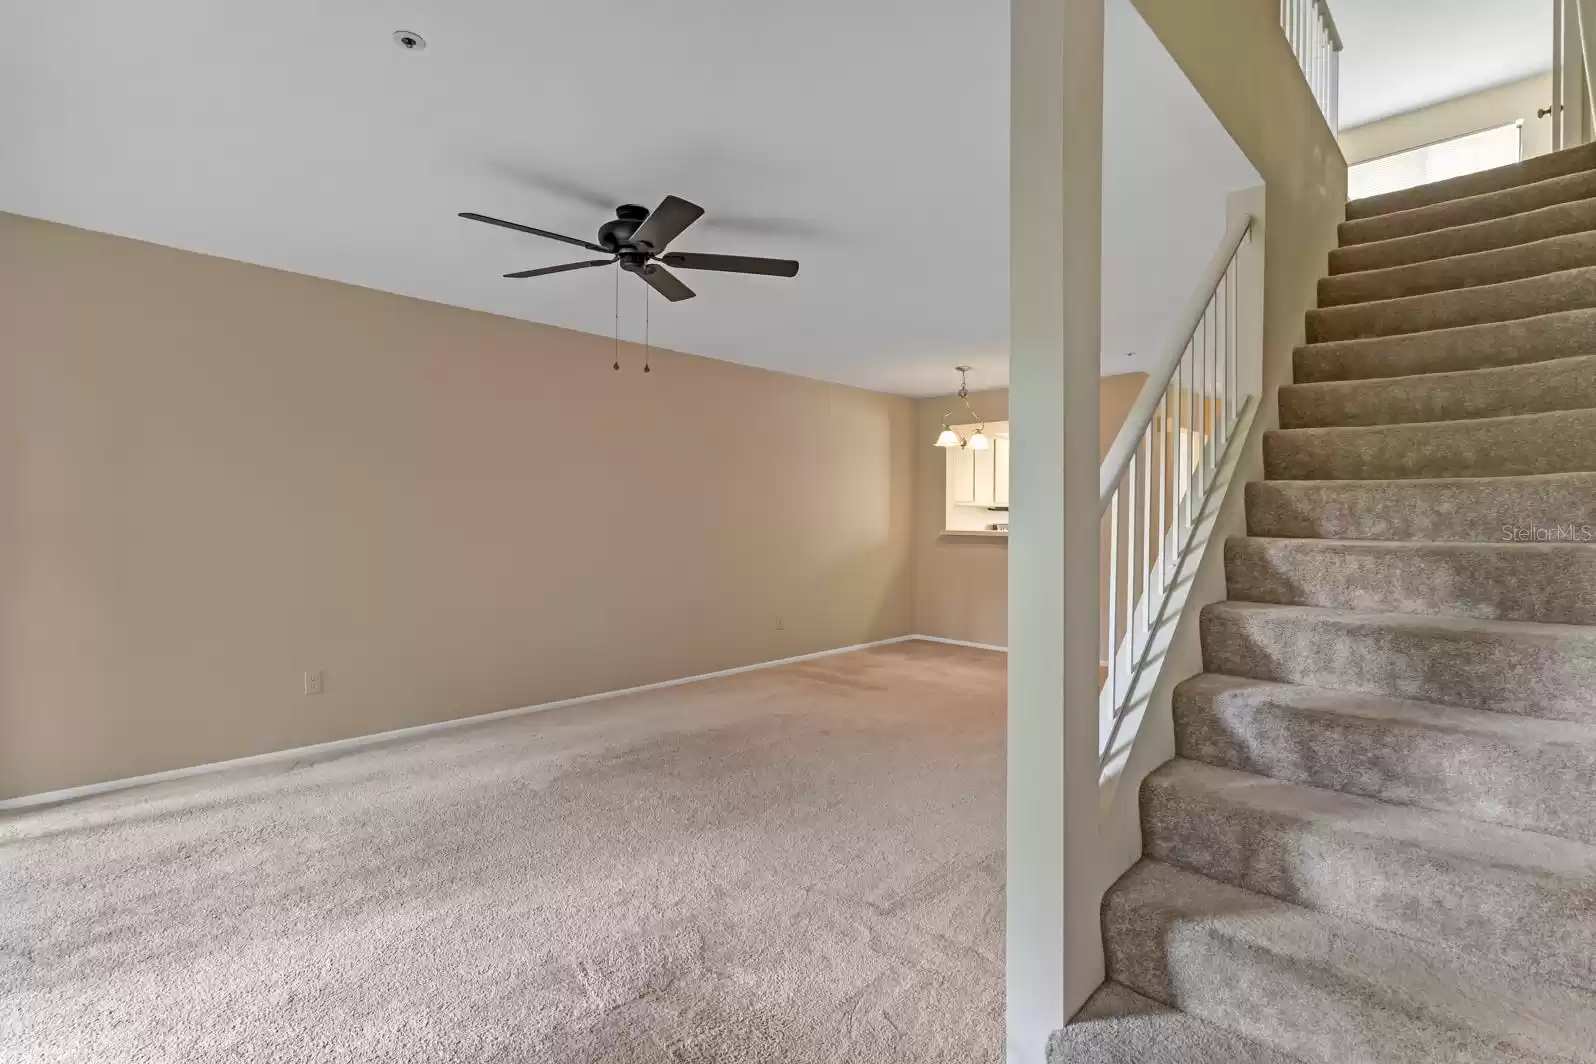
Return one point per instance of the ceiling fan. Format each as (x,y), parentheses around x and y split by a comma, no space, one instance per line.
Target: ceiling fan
(636,239)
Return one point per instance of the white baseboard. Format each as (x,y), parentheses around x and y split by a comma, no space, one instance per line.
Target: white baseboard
(960,643)
(296,753)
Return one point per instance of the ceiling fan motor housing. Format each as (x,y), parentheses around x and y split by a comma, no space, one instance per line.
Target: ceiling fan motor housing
(615,234)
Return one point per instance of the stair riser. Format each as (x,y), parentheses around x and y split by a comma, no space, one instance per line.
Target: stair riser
(1484,208)
(1283,977)
(1513,300)
(1527,781)
(1461,272)
(1536,922)
(1223,983)
(1510,343)
(1228,983)
(1561,384)
(1559,442)
(1552,584)
(1558,220)
(1119,1026)
(1450,511)
(1515,175)
(1533,672)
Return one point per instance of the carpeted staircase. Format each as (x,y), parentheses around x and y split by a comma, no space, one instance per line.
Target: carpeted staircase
(1378,842)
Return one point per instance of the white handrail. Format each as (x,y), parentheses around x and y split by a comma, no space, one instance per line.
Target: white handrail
(1158,379)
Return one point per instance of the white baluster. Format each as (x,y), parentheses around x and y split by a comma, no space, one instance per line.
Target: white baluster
(1113,594)
(1133,570)
(1147,531)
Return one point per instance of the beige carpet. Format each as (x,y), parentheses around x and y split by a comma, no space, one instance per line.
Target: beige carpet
(798,864)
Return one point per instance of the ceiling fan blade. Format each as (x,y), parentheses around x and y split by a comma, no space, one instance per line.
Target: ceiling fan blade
(665,283)
(688,260)
(560,269)
(535,232)
(673,215)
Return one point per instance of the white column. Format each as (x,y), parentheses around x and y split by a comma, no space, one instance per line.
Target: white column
(1559,78)
(1582,26)
(1054,940)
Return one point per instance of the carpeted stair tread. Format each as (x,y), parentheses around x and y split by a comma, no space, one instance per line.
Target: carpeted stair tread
(1329,990)
(1119,1026)
(1498,391)
(1519,667)
(1511,175)
(1550,255)
(1509,343)
(1550,507)
(1377,843)
(1553,583)
(1576,216)
(1469,209)
(1519,897)
(1516,771)
(1560,441)
(1505,301)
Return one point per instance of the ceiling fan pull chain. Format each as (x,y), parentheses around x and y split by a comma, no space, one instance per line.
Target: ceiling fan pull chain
(617,317)
(647,298)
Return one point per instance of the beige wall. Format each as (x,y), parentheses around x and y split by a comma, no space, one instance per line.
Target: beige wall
(214,477)
(1455,118)
(961,582)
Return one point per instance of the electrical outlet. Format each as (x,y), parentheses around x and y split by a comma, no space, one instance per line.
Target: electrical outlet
(313,682)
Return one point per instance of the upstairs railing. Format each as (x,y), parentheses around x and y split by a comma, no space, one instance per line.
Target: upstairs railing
(1160,472)
(1317,44)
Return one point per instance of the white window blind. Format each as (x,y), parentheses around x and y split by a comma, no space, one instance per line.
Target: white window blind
(1437,162)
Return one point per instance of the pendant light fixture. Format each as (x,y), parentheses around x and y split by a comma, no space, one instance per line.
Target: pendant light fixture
(978,440)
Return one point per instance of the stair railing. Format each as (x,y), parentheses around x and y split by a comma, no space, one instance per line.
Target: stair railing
(1317,44)
(1160,472)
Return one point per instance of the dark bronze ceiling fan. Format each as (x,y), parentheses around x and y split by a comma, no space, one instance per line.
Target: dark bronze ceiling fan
(636,240)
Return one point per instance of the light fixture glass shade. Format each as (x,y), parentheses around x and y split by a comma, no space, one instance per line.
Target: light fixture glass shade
(949,438)
(980,441)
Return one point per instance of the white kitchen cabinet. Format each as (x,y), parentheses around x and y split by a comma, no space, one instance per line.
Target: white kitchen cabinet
(985,476)
(980,478)
(961,476)
(1000,472)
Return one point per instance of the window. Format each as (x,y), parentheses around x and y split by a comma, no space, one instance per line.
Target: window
(1437,162)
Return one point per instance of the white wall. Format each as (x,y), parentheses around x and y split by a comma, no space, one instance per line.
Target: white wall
(1168,165)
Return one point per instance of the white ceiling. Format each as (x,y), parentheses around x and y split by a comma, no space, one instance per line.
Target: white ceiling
(1401,55)
(869,140)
